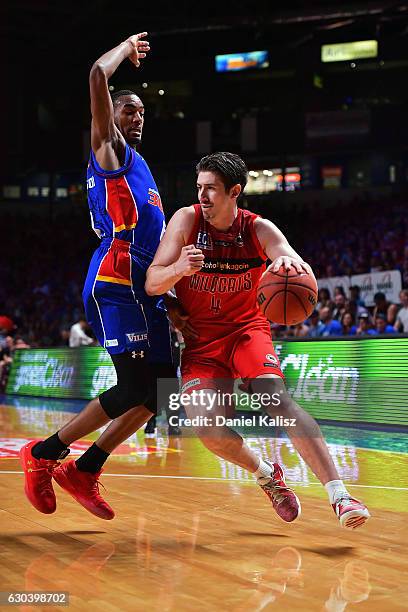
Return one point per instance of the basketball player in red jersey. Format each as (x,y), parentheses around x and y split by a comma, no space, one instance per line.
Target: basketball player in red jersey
(214,254)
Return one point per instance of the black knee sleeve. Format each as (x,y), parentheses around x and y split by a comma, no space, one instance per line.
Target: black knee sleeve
(163,383)
(133,387)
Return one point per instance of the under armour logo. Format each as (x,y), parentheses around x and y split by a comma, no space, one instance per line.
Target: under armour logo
(137,354)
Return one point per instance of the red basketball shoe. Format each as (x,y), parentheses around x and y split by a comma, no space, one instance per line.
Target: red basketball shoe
(38,479)
(284,500)
(84,487)
(350,512)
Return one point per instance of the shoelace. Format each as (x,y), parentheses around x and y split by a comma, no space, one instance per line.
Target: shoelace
(49,469)
(346,499)
(95,487)
(277,491)
(343,498)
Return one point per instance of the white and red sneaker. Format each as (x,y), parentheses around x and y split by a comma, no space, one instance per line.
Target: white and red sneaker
(350,512)
(285,502)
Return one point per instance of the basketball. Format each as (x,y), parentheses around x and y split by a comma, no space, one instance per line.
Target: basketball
(287,297)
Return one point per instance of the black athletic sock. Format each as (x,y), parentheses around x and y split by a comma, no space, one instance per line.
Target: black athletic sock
(92,460)
(51,448)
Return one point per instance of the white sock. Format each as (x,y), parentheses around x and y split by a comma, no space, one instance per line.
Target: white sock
(334,489)
(264,471)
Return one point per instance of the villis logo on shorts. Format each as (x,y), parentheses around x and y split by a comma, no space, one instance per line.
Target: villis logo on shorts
(136,336)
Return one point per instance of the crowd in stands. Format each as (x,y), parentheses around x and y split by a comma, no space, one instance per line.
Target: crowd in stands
(363,235)
(45,259)
(347,315)
(42,272)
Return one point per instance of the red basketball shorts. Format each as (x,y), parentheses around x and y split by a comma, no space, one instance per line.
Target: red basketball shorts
(245,353)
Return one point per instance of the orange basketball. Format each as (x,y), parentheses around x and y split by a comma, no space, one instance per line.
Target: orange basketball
(287,297)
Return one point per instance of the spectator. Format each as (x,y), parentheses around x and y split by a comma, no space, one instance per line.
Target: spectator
(327,326)
(392,314)
(352,307)
(77,336)
(300,330)
(20,343)
(401,323)
(364,326)
(347,323)
(6,327)
(339,306)
(65,333)
(313,325)
(381,325)
(6,350)
(323,298)
(381,304)
(355,295)
(339,290)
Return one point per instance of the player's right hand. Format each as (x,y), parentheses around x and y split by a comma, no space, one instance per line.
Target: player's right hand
(140,47)
(190,261)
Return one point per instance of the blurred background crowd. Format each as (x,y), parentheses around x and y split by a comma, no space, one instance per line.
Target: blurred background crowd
(43,300)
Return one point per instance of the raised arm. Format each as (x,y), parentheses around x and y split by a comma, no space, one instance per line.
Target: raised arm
(174,258)
(277,248)
(103,129)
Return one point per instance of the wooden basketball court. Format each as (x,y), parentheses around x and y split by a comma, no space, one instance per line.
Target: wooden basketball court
(195,533)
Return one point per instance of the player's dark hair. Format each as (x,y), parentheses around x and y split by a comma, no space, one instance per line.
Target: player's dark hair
(229,166)
(119,94)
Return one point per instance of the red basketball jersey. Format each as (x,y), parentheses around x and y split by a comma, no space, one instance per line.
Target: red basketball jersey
(221,298)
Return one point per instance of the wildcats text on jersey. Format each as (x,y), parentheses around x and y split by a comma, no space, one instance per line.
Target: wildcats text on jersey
(221,284)
(223,291)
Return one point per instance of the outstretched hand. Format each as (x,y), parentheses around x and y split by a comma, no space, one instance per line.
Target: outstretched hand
(140,47)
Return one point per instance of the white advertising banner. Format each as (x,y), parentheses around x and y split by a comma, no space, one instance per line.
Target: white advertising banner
(388,282)
(334,281)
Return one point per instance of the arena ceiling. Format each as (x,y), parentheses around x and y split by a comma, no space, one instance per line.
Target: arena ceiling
(47,25)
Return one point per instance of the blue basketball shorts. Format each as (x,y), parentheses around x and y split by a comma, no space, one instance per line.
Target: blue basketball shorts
(120,313)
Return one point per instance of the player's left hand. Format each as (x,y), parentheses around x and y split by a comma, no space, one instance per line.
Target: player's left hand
(179,319)
(140,48)
(288,262)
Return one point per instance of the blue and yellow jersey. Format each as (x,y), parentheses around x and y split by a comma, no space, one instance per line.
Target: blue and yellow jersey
(125,205)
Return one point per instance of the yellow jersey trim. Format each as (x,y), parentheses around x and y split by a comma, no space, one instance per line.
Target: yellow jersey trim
(111,279)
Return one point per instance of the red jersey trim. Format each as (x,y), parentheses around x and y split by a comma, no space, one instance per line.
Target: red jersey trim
(196,225)
(255,238)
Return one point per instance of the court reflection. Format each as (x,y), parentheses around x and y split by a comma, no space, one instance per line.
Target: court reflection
(352,587)
(161,573)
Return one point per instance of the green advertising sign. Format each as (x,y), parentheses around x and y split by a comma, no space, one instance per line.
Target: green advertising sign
(353,380)
(364,380)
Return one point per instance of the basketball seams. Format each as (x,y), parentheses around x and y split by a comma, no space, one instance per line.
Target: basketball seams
(303,289)
(283,283)
(299,300)
(265,306)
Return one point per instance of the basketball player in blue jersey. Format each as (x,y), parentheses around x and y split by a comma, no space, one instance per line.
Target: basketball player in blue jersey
(127,215)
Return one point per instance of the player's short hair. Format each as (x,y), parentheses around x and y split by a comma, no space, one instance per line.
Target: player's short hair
(119,94)
(229,166)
